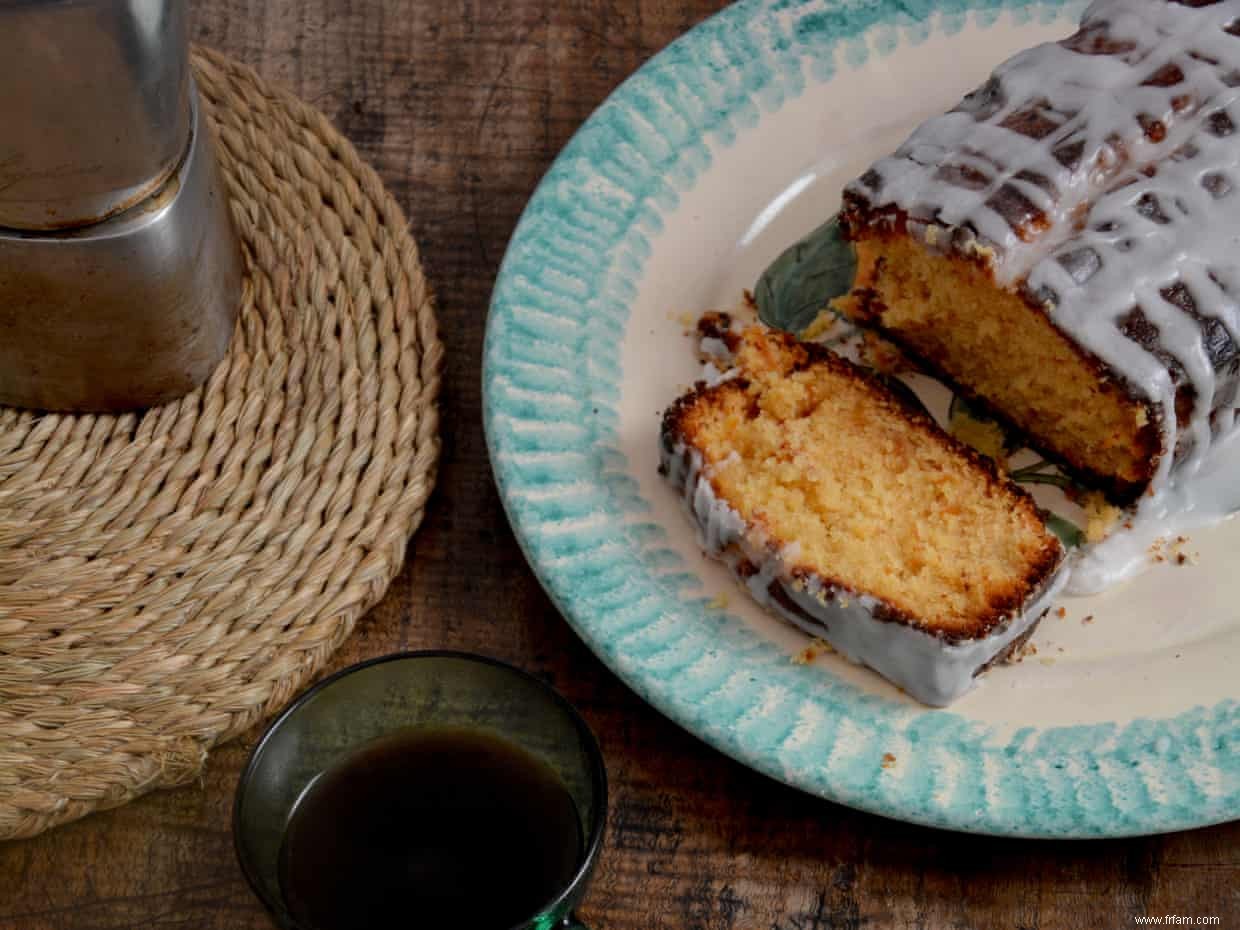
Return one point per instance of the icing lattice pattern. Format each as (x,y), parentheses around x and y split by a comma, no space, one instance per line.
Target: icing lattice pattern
(1100,175)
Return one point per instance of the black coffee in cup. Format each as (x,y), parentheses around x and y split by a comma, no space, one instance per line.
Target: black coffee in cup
(428,827)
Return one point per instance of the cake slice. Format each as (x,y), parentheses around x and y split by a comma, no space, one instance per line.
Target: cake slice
(1062,245)
(847,511)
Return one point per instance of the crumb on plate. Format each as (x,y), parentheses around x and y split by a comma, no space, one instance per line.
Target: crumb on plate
(1101,517)
(816,648)
(985,436)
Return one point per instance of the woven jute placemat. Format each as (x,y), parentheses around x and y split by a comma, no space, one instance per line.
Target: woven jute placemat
(169,578)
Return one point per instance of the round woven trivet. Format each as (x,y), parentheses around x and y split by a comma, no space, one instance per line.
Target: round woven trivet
(169,578)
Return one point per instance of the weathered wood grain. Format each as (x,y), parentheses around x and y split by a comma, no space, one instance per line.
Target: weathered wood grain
(461,106)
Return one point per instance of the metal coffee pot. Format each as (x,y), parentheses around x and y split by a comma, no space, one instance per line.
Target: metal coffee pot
(120,272)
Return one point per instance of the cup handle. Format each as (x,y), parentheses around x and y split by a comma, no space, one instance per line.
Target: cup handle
(572,923)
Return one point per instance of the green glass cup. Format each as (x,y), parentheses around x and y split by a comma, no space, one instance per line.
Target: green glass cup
(413,692)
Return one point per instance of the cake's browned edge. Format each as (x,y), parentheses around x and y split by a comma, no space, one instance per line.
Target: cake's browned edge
(1002,608)
(777,592)
(715,324)
(859,219)
(1012,651)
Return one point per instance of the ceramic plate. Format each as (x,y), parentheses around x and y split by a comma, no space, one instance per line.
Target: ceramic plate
(672,198)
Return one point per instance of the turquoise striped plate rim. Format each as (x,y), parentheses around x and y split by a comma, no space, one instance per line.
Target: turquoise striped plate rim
(552,386)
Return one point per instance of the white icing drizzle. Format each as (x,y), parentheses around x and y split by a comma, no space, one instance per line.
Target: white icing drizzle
(929,668)
(1183,506)
(1147,213)
(714,348)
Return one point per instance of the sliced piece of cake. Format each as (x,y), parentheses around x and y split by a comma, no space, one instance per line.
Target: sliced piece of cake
(1062,244)
(849,512)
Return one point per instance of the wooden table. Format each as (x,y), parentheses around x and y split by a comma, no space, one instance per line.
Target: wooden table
(462,106)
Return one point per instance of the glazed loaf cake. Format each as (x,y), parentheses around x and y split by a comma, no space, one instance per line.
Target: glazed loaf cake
(847,511)
(1064,246)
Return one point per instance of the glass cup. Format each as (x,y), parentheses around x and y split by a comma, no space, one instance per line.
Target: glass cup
(392,694)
